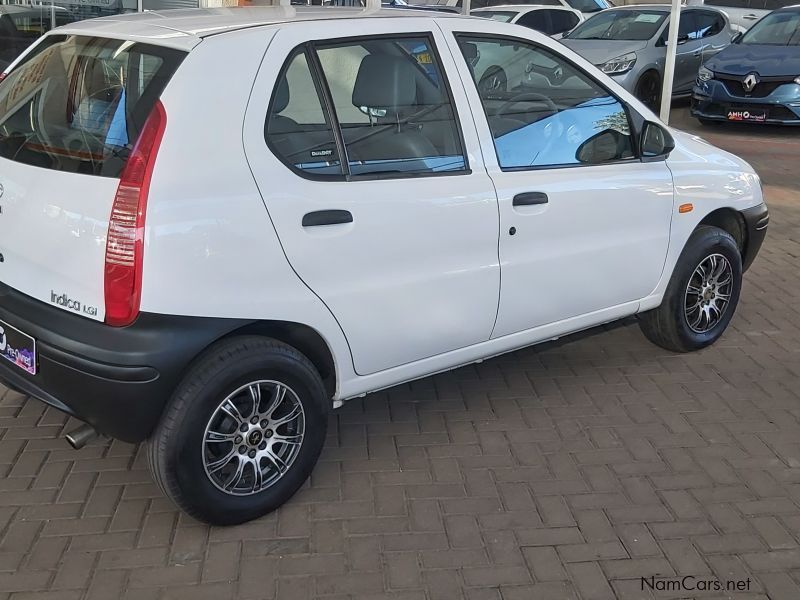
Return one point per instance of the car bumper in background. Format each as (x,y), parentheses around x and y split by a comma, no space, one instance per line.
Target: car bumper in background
(711,100)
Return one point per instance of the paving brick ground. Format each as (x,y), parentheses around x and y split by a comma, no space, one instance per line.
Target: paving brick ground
(567,471)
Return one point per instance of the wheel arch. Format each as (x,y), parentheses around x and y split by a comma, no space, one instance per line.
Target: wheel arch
(730,220)
(304,338)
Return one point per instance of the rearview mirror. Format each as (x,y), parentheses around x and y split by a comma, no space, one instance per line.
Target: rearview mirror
(656,141)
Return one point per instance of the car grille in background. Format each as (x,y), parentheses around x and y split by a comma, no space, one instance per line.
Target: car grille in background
(774,111)
(767,85)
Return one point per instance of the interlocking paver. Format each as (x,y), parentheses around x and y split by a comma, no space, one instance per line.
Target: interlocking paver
(570,470)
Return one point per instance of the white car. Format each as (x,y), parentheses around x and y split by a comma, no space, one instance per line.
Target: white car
(550,20)
(218,225)
(744,13)
(587,7)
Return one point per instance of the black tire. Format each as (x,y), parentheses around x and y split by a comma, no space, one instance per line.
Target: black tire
(177,450)
(648,90)
(668,325)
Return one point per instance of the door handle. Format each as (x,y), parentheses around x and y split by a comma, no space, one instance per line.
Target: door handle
(530,198)
(327,217)
(750,17)
(698,52)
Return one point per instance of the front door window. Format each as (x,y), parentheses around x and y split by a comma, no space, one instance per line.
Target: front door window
(542,111)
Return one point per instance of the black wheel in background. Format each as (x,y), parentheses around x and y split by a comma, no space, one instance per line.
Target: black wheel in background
(648,90)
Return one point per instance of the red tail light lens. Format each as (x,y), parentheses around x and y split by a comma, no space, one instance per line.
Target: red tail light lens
(125,242)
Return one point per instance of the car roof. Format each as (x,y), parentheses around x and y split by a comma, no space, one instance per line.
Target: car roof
(522,7)
(183,29)
(202,22)
(665,8)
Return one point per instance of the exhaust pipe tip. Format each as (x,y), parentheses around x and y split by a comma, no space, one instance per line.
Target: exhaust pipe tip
(80,436)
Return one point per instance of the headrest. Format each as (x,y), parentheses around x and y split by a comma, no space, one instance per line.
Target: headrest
(470,51)
(385,81)
(281,95)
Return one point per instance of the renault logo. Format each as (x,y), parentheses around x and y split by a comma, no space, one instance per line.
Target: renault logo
(749,82)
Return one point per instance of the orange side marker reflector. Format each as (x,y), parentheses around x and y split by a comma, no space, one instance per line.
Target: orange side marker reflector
(684,208)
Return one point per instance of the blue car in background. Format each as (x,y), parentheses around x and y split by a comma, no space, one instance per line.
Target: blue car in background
(757,78)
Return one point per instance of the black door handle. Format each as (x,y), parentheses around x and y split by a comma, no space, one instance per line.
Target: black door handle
(530,198)
(327,217)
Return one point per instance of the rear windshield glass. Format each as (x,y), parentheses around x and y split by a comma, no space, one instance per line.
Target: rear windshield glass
(77,104)
(588,6)
(620,25)
(495,15)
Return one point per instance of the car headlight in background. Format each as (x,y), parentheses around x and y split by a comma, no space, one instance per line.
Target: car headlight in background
(621,64)
(797,79)
(705,74)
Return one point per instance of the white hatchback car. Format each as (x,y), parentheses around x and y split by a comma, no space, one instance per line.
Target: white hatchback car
(554,21)
(217,225)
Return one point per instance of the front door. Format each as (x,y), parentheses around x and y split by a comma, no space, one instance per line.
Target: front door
(584,224)
(374,184)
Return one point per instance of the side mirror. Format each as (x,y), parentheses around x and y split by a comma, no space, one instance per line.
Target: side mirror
(656,141)
(736,37)
(601,147)
(682,39)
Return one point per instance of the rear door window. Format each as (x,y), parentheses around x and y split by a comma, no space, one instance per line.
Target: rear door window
(563,20)
(537,20)
(382,102)
(298,130)
(77,104)
(709,23)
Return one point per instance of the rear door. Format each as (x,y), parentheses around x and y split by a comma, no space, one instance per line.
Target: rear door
(70,114)
(370,168)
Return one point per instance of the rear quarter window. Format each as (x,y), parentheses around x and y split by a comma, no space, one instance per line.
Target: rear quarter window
(77,104)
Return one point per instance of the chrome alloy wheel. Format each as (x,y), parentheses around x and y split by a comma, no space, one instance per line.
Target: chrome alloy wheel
(708,293)
(253,437)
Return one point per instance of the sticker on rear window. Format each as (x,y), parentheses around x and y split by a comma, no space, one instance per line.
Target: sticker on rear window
(647,18)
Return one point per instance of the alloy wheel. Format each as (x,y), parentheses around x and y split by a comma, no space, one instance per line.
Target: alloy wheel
(708,293)
(253,437)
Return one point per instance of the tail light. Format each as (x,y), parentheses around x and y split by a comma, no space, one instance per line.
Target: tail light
(125,242)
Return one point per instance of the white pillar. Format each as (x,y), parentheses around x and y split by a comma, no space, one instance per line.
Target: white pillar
(465,6)
(373,4)
(669,64)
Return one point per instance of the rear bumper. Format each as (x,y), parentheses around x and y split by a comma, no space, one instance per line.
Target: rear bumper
(116,379)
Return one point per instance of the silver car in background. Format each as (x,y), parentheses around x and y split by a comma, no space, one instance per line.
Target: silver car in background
(629,43)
